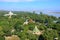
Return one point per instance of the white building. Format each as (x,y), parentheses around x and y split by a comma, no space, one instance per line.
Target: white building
(56,38)
(10,14)
(26,22)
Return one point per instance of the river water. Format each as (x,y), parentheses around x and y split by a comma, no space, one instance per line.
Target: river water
(53,14)
(50,14)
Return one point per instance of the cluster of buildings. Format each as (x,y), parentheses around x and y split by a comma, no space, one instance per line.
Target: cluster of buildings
(15,37)
(35,31)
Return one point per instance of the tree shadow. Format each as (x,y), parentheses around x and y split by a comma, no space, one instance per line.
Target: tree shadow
(41,37)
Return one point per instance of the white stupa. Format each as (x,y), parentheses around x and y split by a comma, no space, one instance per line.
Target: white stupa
(26,22)
(36,31)
(10,14)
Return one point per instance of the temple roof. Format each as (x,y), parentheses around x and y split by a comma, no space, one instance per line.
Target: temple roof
(36,29)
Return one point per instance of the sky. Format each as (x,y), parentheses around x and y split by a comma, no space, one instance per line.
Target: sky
(24,5)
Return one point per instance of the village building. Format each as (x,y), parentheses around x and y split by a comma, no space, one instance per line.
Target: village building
(31,21)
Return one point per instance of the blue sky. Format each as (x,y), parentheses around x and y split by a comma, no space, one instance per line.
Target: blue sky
(30,5)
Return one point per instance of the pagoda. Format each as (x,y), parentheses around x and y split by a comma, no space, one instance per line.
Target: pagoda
(36,31)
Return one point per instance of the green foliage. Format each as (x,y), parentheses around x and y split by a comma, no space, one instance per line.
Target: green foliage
(16,22)
(2,38)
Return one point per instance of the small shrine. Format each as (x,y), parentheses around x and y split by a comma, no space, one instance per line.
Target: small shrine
(36,31)
(55,21)
(13,30)
(26,22)
(13,37)
(56,38)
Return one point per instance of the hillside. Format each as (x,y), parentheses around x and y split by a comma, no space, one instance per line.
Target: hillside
(29,26)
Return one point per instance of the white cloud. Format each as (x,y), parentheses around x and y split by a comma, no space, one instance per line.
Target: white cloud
(16,0)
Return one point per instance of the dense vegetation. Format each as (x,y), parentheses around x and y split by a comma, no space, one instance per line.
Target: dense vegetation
(50,25)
